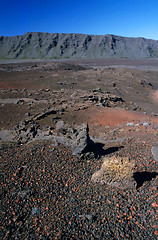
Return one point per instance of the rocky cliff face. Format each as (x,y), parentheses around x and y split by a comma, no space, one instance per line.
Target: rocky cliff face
(58,45)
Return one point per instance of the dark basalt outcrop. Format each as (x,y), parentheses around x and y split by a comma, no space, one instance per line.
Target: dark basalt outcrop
(38,45)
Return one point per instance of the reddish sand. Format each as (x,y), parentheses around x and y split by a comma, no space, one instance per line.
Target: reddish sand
(113,117)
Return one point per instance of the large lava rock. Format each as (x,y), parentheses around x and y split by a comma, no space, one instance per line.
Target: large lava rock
(76,138)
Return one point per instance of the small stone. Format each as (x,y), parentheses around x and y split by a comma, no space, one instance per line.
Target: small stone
(154,151)
(108,201)
(35,210)
(145,123)
(27,114)
(130,124)
(89,217)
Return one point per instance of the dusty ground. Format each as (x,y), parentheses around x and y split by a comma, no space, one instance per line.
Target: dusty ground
(119,101)
(41,80)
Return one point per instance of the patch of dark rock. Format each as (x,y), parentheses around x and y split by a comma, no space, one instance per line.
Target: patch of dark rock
(146,84)
(70,67)
(55,118)
(20,102)
(141,177)
(46,113)
(97,89)
(104,102)
(93,98)
(116,99)
(62,83)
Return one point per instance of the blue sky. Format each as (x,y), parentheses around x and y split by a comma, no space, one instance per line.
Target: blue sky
(130,18)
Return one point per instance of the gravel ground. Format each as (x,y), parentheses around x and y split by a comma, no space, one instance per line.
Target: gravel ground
(47,194)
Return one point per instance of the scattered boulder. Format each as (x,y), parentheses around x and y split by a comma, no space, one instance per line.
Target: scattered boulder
(116,99)
(20,102)
(117,172)
(104,102)
(146,84)
(82,139)
(97,89)
(154,151)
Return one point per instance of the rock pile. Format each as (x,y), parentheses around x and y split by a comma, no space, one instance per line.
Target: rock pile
(26,131)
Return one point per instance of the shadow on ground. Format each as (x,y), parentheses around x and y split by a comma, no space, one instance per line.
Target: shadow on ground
(98,149)
(141,177)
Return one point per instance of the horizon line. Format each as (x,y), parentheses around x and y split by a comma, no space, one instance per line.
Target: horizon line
(116,35)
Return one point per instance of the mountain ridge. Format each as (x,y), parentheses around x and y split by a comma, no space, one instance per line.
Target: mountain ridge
(40,45)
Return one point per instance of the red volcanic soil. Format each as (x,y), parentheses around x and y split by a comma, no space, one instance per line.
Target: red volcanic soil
(114,117)
(111,117)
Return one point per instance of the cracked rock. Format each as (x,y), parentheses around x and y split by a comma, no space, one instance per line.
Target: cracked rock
(77,139)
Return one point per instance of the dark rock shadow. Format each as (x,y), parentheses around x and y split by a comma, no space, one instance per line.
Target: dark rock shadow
(98,149)
(141,177)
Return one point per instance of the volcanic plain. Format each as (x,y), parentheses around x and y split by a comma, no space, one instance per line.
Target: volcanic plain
(47,190)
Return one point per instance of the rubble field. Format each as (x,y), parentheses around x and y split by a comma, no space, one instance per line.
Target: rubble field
(79,149)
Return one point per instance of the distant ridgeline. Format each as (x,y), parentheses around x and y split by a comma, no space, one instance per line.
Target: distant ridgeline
(36,45)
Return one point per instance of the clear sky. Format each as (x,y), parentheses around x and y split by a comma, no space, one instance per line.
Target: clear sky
(130,18)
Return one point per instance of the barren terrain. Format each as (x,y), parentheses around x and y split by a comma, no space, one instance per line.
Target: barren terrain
(47,192)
